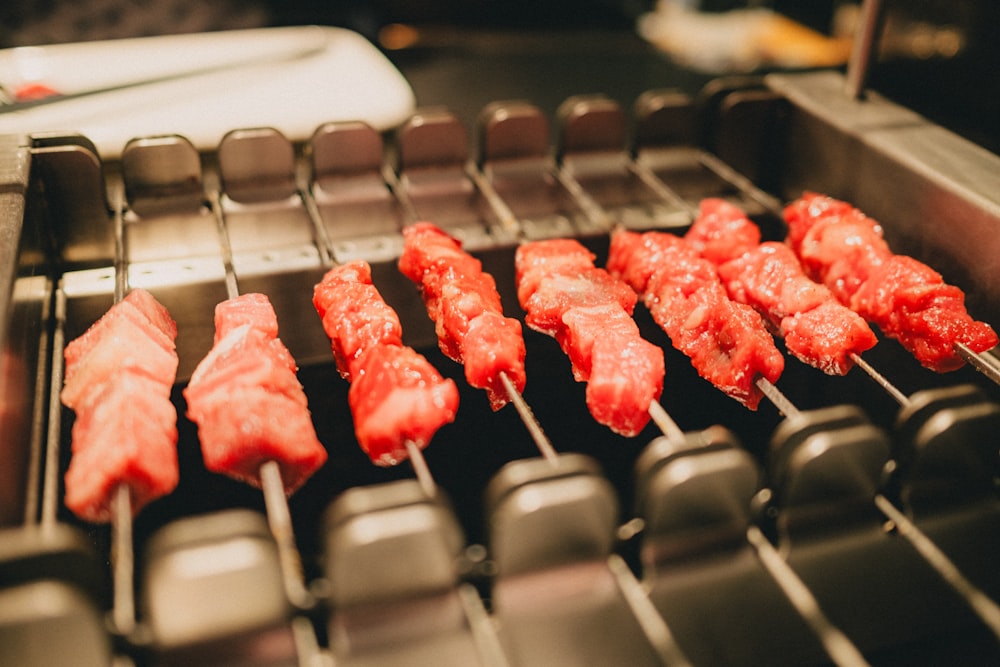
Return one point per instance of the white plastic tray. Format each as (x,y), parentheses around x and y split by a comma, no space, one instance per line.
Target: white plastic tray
(203,85)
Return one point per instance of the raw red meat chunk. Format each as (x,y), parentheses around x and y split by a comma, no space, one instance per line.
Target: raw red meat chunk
(118,378)
(354,315)
(817,329)
(589,312)
(721,232)
(726,341)
(247,401)
(911,303)
(535,261)
(905,298)
(465,306)
(396,396)
(623,372)
(126,435)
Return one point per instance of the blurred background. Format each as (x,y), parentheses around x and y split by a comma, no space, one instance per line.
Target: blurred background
(939,57)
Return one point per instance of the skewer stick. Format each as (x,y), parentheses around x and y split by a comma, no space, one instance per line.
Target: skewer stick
(420,468)
(528,417)
(512,226)
(328,258)
(880,379)
(665,422)
(775,395)
(122,548)
(983,362)
(122,561)
(272,486)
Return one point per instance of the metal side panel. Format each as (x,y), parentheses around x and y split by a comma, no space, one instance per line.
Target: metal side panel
(20,330)
(936,194)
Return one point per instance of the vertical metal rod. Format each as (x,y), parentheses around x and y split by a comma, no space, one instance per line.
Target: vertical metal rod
(122,556)
(279,520)
(53,437)
(226,248)
(864,47)
(36,445)
(496,203)
(320,236)
(122,561)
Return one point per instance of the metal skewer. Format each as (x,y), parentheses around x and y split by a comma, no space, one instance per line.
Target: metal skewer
(529,420)
(123,616)
(122,548)
(863,48)
(271,483)
(984,362)
(324,245)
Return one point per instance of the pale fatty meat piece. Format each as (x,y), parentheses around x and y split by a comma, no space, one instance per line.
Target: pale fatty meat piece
(396,395)
(465,306)
(127,435)
(247,401)
(586,309)
(119,377)
(252,309)
(534,261)
(582,288)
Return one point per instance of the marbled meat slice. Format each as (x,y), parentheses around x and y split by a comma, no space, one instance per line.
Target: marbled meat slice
(905,298)
(395,395)
(535,261)
(721,231)
(398,396)
(354,314)
(119,377)
(726,341)
(623,371)
(910,302)
(247,401)
(589,312)
(127,435)
(817,329)
(581,288)
(465,306)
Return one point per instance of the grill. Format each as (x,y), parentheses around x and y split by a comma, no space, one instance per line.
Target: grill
(851,525)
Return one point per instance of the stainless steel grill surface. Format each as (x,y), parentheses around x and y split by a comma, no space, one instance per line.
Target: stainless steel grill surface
(849,520)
